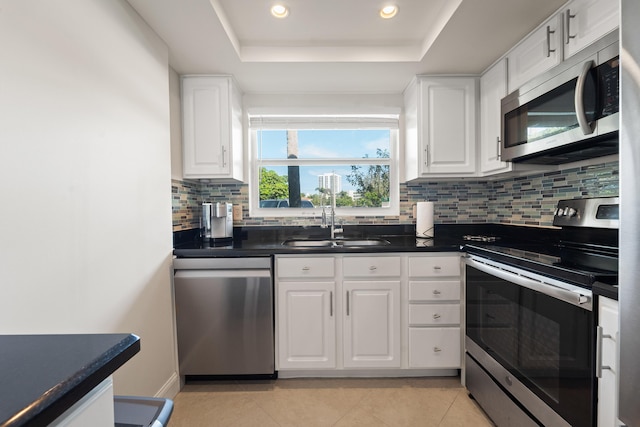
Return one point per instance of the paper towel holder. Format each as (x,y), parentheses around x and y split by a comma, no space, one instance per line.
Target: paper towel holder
(424,220)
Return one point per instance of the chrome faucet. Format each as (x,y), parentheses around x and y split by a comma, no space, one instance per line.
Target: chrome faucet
(335,230)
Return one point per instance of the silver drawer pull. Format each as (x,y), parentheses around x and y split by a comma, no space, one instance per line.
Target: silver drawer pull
(436,316)
(436,292)
(306,268)
(437,349)
(437,267)
(373,268)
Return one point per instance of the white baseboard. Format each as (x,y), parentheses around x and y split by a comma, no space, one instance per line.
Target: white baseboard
(381,373)
(170,388)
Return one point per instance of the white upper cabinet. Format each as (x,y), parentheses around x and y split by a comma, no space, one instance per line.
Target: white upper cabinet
(211,128)
(576,26)
(585,21)
(537,53)
(440,120)
(493,87)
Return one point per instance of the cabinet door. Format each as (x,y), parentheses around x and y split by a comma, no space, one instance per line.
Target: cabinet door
(588,20)
(537,53)
(306,325)
(493,87)
(607,382)
(371,324)
(211,127)
(447,114)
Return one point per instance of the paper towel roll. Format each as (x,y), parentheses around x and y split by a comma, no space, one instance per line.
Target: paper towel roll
(424,220)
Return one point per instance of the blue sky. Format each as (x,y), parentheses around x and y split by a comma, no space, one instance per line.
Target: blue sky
(323,144)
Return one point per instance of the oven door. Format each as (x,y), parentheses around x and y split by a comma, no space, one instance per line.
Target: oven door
(535,339)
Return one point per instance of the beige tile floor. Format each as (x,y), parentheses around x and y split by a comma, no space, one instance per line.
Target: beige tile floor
(371,402)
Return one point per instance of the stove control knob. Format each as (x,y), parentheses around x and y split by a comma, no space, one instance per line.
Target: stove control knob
(571,212)
(559,212)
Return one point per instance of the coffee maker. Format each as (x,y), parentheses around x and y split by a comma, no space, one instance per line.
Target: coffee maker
(217,221)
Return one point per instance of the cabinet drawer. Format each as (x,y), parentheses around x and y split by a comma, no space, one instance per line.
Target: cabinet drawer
(434,266)
(371,266)
(434,314)
(434,348)
(305,267)
(434,291)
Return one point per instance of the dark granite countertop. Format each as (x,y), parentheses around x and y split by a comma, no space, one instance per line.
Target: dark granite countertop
(605,290)
(265,241)
(41,376)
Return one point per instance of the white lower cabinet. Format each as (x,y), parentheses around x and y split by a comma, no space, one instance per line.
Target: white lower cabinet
(607,369)
(372,324)
(94,409)
(341,313)
(434,347)
(305,312)
(435,340)
(306,325)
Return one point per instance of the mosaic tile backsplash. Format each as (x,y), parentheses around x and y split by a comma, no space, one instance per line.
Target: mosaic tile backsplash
(525,200)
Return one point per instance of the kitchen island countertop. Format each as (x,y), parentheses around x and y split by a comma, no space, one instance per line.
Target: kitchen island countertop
(41,376)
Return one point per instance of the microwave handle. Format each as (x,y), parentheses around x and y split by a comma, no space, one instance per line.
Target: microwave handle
(579,99)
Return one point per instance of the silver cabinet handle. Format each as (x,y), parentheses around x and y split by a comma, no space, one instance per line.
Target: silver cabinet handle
(585,126)
(599,337)
(330,303)
(437,349)
(549,32)
(426,156)
(224,155)
(373,268)
(567,26)
(347,303)
(437,267)
(436,316)
(436,292)
(306,268)
(499,150)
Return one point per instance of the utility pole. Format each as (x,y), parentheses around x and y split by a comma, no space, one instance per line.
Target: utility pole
(293,172)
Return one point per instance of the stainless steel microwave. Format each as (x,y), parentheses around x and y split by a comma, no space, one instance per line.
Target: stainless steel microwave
(569,113)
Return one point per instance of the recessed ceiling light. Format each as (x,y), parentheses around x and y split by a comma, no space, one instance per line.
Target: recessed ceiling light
(389,11)
(279,11)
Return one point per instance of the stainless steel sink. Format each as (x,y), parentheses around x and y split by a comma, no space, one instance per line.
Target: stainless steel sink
(307,243)
(334,243)
(364,242)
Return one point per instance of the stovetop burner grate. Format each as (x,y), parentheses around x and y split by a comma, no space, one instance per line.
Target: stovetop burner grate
(480,238)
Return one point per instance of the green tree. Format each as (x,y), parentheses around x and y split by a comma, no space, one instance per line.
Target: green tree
(272,185)
(372,183)
(343,199)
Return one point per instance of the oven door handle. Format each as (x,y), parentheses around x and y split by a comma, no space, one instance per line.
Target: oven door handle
(521,278)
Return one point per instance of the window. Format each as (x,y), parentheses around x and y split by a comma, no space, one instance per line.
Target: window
(302,164)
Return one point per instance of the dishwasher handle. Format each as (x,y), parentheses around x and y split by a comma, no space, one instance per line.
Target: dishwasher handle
(192,274)
(248,263)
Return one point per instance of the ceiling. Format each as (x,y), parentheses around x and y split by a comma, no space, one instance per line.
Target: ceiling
(338,46)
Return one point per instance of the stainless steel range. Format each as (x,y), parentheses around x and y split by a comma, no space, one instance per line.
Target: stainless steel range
(530,327)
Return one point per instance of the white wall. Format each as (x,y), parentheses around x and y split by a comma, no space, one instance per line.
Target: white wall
(176,124)
(85,222)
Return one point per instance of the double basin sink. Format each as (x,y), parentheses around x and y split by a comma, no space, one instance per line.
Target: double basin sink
(334,243)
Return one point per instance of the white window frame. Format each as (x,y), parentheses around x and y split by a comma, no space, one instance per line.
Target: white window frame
(324,121)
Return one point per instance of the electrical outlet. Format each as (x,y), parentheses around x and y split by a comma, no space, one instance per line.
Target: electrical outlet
(237,212)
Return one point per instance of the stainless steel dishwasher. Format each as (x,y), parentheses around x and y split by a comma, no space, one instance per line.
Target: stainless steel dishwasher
(224,316)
